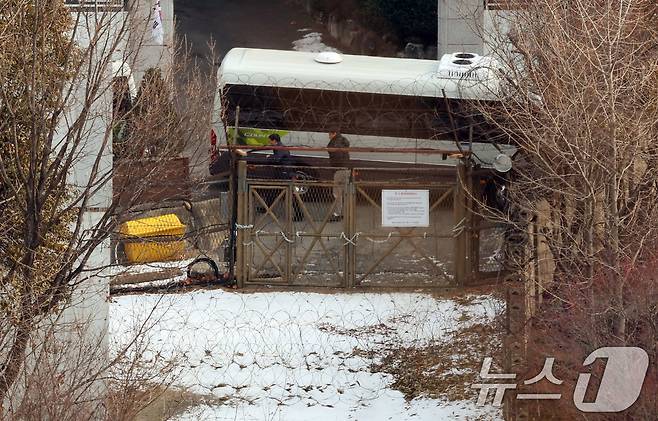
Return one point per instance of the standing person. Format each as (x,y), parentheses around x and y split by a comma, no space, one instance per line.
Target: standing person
(340,160)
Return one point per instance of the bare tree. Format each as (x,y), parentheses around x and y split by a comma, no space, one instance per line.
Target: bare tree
(58,78)
(580,96)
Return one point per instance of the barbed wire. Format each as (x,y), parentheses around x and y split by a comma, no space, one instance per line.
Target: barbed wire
(273,351)
(403,108)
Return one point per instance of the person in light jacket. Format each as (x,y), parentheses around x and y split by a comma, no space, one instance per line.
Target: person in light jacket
(339,160)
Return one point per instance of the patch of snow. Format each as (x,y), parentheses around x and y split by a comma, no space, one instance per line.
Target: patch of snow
(149,267)
(296,355)
(390,406)
(154,284)
(312,43)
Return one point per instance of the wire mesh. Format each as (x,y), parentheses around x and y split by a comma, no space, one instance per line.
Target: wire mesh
(394,256)
(293,236)
(328,231)
(407,133)
(490,252)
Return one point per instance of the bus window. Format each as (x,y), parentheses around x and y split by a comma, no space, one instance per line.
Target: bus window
(364,113)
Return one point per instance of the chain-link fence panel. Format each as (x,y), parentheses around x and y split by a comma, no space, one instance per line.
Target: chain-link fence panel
(268,246)
(490,249)
(319,252)
(397,256)
(327,230)
(295,228)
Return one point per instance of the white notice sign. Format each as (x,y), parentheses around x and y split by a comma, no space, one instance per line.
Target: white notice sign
(405,208)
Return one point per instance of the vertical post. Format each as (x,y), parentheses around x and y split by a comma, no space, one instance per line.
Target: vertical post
(520,307)
(474,220)
(290,227)
(349,212)
(241,271)
(463,223)
(234,197)
(469,241)
(475,244)
(533,269)
(515,343)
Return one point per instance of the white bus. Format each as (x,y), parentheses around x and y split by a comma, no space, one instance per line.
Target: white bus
(375,102)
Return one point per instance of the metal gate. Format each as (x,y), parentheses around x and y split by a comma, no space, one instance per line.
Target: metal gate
(291,238)
(287,236)
(404,256)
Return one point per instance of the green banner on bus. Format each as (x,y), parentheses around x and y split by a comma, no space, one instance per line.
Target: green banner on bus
(252,137)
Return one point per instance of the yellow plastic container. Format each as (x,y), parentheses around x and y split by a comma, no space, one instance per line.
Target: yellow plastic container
(153,239)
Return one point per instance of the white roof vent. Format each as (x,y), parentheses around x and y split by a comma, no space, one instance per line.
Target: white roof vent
(468,66)
(328,57)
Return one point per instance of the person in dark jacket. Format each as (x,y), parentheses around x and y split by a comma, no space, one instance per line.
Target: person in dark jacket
(282,157)
(339,160)
(279,157)
(279,154)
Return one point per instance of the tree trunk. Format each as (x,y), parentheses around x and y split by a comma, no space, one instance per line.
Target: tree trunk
(16,356)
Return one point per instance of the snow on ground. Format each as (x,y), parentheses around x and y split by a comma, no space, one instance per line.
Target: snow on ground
(148,267)
(312,43)
(298,355)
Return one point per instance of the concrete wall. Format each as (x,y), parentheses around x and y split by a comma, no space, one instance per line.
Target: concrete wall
(459,21)
(496,28)
(465,25)
(71,346)
(145,52)
(89,308)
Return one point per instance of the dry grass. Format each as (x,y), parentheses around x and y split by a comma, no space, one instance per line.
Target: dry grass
(158,403)
(442,370)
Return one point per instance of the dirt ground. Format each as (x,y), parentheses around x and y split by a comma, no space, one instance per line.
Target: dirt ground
(171,402)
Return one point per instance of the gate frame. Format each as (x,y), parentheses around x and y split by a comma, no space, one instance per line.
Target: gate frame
(466,238)
(402,237)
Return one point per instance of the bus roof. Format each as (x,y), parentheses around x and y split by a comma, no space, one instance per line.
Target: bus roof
(396,76)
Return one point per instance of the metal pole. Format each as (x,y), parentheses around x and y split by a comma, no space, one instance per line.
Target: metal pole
(351,205)
(234,200)
(353,149)
(469,242)
(460,224)
(242,217)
